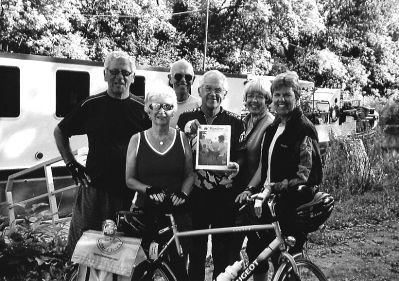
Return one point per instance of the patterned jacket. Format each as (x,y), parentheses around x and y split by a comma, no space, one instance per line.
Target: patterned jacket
(205,178)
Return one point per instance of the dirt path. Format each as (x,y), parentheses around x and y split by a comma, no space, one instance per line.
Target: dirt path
(362,253)
(366,252)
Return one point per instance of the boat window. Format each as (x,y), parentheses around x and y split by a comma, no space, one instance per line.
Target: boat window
(10,91)
(138,87)
(71,88)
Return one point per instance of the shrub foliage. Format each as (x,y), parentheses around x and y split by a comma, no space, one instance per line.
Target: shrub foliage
(33,249)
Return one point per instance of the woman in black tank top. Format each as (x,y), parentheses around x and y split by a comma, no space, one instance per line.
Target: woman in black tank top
(159,168)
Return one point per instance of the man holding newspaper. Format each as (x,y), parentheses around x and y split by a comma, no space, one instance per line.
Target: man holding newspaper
(212,197)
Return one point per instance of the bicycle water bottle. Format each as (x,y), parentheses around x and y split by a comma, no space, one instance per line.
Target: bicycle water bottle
(231,272)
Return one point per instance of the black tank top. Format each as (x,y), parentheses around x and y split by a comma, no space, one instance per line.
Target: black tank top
(164,170)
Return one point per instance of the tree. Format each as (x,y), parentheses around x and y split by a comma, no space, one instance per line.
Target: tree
(361,34)
(88,29)
(348,44)
(41,28)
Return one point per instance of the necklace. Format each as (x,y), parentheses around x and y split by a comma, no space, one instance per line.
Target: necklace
(158,139)
(161,141)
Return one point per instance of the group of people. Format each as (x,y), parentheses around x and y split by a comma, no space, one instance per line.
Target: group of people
(141,155)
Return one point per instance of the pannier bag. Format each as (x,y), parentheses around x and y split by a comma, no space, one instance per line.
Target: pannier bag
(102,258)
(310,216)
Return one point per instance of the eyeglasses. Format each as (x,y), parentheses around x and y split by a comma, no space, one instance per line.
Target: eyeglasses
(257,96)
(158,106)
(115,72)
(179,76)
(209,89)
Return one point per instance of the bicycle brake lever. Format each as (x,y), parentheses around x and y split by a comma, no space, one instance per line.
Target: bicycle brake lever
(164,230)
(242,207)
(247,201)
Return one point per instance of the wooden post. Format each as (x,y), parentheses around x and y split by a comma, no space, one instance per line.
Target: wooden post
(11,211)
(50,191)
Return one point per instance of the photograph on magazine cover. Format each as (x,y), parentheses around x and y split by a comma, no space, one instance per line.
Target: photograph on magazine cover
(213,147)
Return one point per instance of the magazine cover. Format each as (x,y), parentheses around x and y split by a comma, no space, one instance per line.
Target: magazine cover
(213,147)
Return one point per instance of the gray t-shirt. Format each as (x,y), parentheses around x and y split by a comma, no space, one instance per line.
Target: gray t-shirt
(188,104)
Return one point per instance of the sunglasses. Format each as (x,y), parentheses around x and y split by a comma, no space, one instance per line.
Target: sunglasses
(158,106)
(115,72)
(179,76)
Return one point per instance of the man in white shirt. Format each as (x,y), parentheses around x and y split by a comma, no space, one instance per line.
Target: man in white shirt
(181,77)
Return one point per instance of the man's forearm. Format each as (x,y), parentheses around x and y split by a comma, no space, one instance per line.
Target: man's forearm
(255,181)
(63,145)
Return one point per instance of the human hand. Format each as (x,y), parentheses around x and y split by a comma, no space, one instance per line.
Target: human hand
(280,187)
(260,198)
(192,127)
(232,169)
(243,196)
(78,172)
(179,198)
(155,193)
(228,175)
(227,182)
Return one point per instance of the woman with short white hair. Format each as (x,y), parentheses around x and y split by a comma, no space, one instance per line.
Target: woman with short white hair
(159,167)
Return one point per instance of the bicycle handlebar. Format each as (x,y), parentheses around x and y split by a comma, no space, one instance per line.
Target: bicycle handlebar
(251,200)
(271,198)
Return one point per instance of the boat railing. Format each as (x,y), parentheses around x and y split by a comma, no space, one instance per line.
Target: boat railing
(51,191)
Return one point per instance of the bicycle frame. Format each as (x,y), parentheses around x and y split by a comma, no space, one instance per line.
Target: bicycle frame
(278,244)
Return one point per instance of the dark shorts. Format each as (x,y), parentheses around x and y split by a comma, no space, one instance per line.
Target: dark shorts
(92,206)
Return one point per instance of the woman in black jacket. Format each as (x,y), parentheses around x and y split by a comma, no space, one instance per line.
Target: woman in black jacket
(290,157)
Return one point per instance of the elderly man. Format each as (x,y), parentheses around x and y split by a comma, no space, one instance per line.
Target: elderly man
(108,119)
(181,78)
(212,197)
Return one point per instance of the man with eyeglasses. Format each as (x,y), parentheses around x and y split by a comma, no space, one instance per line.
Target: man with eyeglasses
(212,196)
(181,78)
(108,119)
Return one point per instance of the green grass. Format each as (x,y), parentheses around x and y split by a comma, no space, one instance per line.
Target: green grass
(370,208)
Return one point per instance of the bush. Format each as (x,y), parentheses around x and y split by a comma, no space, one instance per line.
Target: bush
(390,113)
(33,249)
(354,165)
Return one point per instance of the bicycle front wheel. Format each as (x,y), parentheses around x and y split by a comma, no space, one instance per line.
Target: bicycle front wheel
(73,276)
(307,271)
(159,272)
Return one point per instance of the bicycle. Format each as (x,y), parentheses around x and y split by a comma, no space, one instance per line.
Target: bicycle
(290,267)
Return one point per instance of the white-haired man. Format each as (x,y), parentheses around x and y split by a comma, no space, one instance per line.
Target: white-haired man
(181,77)
(108,119)
(212,196)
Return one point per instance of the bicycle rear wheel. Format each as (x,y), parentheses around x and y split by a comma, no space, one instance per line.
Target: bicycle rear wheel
(307,270)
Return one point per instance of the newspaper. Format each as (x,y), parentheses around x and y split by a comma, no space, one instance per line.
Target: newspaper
(213,147)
